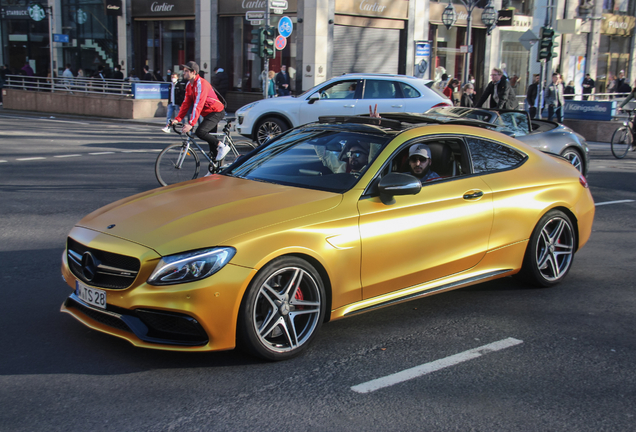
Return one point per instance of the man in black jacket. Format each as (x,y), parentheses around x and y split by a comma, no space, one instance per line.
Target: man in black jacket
(283,81)
(501,94)
(532,96)
(175,99)
(588,86)
(220,81)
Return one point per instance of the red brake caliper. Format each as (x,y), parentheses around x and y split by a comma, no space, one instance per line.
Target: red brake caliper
(299,296)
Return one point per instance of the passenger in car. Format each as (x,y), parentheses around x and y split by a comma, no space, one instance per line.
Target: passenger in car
(420,163)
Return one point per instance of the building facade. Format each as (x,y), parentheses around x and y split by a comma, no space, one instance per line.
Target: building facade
(328,38)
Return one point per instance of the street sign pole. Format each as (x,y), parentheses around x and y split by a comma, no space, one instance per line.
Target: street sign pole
(266,81)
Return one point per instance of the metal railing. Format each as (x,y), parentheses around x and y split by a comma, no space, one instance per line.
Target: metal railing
(72,85)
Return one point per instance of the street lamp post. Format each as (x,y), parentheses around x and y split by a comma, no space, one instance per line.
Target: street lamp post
(488,17)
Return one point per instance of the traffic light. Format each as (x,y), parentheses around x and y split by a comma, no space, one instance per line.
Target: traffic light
(268,42)
(546,44)
(257,39)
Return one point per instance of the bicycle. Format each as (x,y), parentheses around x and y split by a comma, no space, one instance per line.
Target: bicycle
(180,162)
(623,138)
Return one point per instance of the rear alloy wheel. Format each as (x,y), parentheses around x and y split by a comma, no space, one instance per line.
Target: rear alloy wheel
(551,250)
(575,159)
(269,128)
(282,310)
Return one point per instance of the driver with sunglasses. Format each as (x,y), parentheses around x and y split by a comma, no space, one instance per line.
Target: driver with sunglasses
(420,163)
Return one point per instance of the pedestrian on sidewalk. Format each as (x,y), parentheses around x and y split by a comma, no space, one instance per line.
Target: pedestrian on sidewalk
(175,99)
(467,96)
(532,96)
(499,92)
(588,86)
(554,98)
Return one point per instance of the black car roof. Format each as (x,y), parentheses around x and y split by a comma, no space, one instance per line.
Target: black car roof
(402,121)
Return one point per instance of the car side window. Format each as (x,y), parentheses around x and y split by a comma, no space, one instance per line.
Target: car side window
(379,89)
(340,90)
(408,91)
(488,156)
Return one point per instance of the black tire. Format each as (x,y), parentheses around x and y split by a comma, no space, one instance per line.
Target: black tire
(282,310)
(575,158)
(550,252)
(269,128)
(621,142)
(166,166)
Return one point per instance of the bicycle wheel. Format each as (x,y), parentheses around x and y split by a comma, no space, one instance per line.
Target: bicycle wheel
(247,144)
(173,166)
(621,142)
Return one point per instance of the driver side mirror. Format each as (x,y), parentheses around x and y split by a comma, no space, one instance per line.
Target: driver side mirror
(397,184)
(314,97)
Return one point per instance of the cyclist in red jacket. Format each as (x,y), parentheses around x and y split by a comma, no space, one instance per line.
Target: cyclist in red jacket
(201,96)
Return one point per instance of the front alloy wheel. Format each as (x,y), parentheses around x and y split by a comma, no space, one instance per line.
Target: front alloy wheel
(268,129)
(551,250)
(283,309)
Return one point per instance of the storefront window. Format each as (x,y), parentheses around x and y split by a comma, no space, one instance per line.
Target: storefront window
(93,36)
(163,45)
(521,7)
(244,67)
(613,58)
(25,40)
(447,56)
(617,6)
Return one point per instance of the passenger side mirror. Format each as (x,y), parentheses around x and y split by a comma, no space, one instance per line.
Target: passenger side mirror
(313,98)
(397,184)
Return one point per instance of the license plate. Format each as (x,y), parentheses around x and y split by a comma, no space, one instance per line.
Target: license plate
(92,296)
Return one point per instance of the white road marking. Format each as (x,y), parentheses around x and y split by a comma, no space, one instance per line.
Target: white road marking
(102,153)
(3,161)
(31,158)
(67,156)
(613,202)
(434,366)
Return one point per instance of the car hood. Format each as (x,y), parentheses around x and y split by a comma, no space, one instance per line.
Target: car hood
(205,212)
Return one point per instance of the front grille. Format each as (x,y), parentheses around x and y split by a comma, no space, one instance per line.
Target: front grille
(102,317)
(240,120)
(112,270)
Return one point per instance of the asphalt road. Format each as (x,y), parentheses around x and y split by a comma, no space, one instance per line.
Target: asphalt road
(566,362)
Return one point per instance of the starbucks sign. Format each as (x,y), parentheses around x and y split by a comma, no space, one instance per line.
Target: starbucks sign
(36,12)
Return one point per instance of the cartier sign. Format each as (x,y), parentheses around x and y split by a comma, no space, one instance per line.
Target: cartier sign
(162,8)
(398,9)
(239,7)
(113,7)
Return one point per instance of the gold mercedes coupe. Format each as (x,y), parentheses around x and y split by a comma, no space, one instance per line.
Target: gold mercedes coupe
(325,221)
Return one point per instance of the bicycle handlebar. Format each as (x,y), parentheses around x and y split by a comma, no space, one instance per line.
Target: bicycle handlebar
(180,131)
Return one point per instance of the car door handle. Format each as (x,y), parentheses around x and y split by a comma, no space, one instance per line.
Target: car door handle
(396,106)
(473,194)
(349,106)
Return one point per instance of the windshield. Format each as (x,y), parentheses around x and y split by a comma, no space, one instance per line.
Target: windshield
(320,158)
(467,113)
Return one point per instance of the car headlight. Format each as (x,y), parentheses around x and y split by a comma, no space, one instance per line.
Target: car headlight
(190,266)
(245,107)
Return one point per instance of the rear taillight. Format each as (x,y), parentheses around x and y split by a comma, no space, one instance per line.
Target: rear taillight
(442,104)
(583,181)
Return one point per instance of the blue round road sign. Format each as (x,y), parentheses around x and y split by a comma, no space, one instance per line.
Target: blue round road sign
(285,26)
